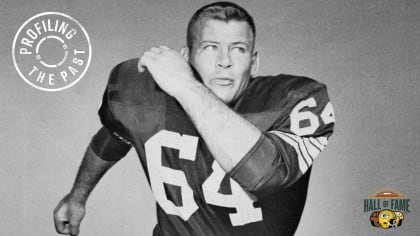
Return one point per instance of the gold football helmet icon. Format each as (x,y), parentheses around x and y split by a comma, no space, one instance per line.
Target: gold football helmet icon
(386,218)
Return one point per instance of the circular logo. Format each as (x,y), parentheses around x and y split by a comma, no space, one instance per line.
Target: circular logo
(51,51)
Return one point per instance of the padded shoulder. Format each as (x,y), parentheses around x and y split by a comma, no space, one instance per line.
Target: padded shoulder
(285,84)
(127,85)
(267,93)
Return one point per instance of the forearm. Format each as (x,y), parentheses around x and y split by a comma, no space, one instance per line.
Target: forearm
(90,172)
(228,136)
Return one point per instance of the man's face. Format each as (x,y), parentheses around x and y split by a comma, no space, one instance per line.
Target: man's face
(222,54)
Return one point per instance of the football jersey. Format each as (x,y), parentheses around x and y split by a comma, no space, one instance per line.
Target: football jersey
(264,194)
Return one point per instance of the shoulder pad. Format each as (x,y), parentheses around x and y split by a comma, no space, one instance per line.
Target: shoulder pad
(127,85)
(273,92)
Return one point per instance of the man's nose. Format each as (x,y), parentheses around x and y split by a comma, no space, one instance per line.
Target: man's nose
(224,59)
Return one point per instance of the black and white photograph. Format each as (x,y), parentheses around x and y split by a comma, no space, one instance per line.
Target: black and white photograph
(209,118)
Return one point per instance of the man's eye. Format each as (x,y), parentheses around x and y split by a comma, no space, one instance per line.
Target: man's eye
(210,47)
(239,49)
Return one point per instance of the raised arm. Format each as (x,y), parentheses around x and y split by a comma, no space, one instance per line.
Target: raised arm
(228,135)
(261,161)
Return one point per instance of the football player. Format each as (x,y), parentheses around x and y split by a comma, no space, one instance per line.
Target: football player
(225,152)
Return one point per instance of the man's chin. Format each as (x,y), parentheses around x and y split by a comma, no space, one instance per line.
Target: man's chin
(223,93)
(225,99)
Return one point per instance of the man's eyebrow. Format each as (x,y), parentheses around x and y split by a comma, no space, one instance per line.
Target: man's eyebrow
(215,42)
(240,42)
(208,41)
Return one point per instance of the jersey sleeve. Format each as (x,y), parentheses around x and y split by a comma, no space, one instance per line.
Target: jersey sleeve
(286,151)
(111,142)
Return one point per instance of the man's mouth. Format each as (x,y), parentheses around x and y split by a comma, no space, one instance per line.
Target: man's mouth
(222,81)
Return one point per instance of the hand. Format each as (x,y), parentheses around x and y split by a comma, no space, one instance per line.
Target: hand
(67,216)
(169,69)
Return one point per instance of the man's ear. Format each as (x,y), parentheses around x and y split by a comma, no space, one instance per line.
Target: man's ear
(185,52)
(255,60)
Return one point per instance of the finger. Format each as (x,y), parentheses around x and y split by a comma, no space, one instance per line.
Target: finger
(59,226)
(145,60)
(184,53)
(157,53)
(60,221)
(62,227)
(74,227)
(74,230)
(152,54)
(141,68)
(164,48)
(67,229)
(155,50)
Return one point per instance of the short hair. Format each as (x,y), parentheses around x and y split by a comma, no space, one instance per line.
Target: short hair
(223,11)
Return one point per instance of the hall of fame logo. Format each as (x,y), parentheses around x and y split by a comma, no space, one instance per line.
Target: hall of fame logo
(51,51)
(388,208)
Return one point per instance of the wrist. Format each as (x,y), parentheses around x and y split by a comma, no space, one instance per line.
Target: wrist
(188,90)
(78,195)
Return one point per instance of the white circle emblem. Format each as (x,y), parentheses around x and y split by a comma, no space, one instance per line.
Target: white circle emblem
(51,51)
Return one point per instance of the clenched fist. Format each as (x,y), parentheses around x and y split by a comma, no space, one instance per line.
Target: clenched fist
(68,215)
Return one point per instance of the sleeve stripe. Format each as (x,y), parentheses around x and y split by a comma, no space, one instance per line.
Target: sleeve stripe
(302,147)
(303,164)
(307,149)
(316,142)
(121,138)
(312,150)
(311,140)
